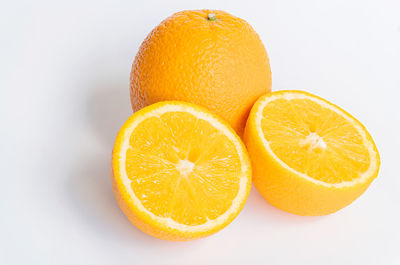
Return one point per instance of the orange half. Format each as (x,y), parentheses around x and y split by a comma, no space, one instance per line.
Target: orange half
(309,156)
(179,171)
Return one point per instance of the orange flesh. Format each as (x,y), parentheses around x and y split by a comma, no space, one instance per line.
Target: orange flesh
(314,140)
(182,168)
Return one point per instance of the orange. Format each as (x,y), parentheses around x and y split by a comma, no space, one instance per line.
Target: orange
(179,172)
(206,57)
(309,156)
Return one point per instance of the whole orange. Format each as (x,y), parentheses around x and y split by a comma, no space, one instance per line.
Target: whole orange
(206,57)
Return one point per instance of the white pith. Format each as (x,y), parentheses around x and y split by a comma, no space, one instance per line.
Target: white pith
(313,139)
(184,167)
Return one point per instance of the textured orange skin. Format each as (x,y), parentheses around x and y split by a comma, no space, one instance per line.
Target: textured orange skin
(143,222)
(289,192)
(221,65)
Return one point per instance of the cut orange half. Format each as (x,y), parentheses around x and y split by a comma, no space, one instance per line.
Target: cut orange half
(179,172)
(309,156)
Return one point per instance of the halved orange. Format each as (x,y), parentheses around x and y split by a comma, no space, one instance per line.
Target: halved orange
(179,172)
(309,156)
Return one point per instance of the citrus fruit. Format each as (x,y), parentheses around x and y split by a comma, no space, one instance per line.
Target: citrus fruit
(179,172)
(206,57)
(309,156)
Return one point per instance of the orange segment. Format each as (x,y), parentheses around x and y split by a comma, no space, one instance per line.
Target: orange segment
(301,143)
(183,168)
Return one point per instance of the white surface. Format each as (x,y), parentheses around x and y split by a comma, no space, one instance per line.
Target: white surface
(64,94)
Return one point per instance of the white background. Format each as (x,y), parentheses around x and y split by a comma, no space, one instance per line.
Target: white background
(64,81)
